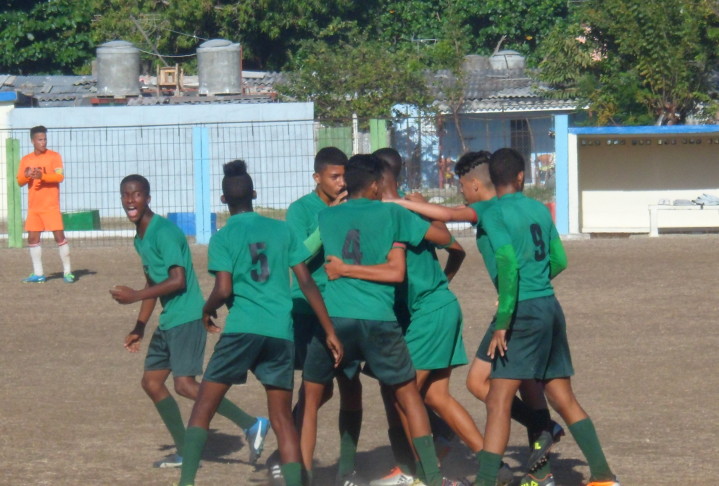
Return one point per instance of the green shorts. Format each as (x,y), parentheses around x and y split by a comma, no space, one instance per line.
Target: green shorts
(537,346)
(180,349)
(435,339)
(270,359)
(305,326)
(379,343)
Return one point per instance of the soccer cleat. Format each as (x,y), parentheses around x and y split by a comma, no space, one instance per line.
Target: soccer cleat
(529,480)
(542,445)
(35,279)
(275,470)
(604,483)
(173,460)
(68,278)
(256,437)
(350,479)
(394,478)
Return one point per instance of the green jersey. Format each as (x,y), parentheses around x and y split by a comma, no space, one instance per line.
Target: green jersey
(527,250)
(427,286)
(483,244)
(164,246)
(302,220)
(362,232)
(258,252)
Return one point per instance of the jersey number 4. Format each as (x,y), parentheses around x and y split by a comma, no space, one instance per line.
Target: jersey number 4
(540,251)
(351,249)
(259,258)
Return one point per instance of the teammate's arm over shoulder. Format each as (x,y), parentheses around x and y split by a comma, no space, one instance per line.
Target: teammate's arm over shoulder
(438,212)
(438,234)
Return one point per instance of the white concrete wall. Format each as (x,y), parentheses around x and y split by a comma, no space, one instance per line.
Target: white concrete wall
(617,183)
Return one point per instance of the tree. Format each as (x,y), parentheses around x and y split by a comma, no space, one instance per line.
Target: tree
(634,62)
(365,78)
(45,37)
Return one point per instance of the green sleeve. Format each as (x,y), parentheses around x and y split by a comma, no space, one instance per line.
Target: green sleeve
(507,276)
(313,243)
(557,257)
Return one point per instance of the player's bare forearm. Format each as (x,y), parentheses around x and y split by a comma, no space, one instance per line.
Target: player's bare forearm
(221,291)
(438,234)
(392,271)
(454,259)
(437,212)
(314,298)
(174,283)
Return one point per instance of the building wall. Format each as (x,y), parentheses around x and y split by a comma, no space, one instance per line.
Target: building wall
(617,182)
(100,145)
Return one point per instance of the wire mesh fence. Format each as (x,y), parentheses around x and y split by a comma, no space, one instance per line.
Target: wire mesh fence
(183,163)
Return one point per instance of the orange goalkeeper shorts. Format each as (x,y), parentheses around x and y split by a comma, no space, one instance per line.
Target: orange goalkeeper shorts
(44,221)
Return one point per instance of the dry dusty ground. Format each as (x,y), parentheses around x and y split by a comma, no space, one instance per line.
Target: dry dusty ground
(642,322)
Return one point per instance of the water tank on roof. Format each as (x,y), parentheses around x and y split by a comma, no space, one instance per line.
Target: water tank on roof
(220,68)
(118,69)
(507,60)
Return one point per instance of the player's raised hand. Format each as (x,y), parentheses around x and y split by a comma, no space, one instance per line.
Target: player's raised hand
(123,295)
(133,340)
(333,267)
(498,344)
(209,323)
(335,347)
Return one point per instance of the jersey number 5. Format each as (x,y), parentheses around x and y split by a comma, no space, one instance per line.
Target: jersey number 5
(539,249)
(351,249)
(258,257)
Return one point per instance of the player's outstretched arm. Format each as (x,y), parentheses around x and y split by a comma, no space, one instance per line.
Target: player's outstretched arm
(219,295)
(437,212)
(314,298)
(455,258)
(392,271)
(175,282)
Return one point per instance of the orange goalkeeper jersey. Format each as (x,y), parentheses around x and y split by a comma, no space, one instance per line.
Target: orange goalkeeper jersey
(43,193)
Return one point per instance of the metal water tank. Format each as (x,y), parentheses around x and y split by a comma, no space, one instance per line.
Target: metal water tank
(507,60)
(220,67)
(118,69)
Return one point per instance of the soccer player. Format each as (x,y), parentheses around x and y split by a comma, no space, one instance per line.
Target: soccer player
(250,258)
(178,344)
(433,334)
(362,311)
(531,411)
(329,168)
(42,171)
(529,339)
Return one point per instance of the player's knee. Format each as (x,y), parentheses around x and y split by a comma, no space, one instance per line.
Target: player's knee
(152,387)
(186,388)
(478,388)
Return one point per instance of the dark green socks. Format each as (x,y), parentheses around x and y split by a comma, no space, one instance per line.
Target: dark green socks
(588,441)
(236,414)
(170,414)
(195,439)
(350,424)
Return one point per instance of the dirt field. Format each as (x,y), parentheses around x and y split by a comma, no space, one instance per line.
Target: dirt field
(642,322)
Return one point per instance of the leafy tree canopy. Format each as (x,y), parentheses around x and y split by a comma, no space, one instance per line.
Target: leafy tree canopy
(46,37)
(635,62)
